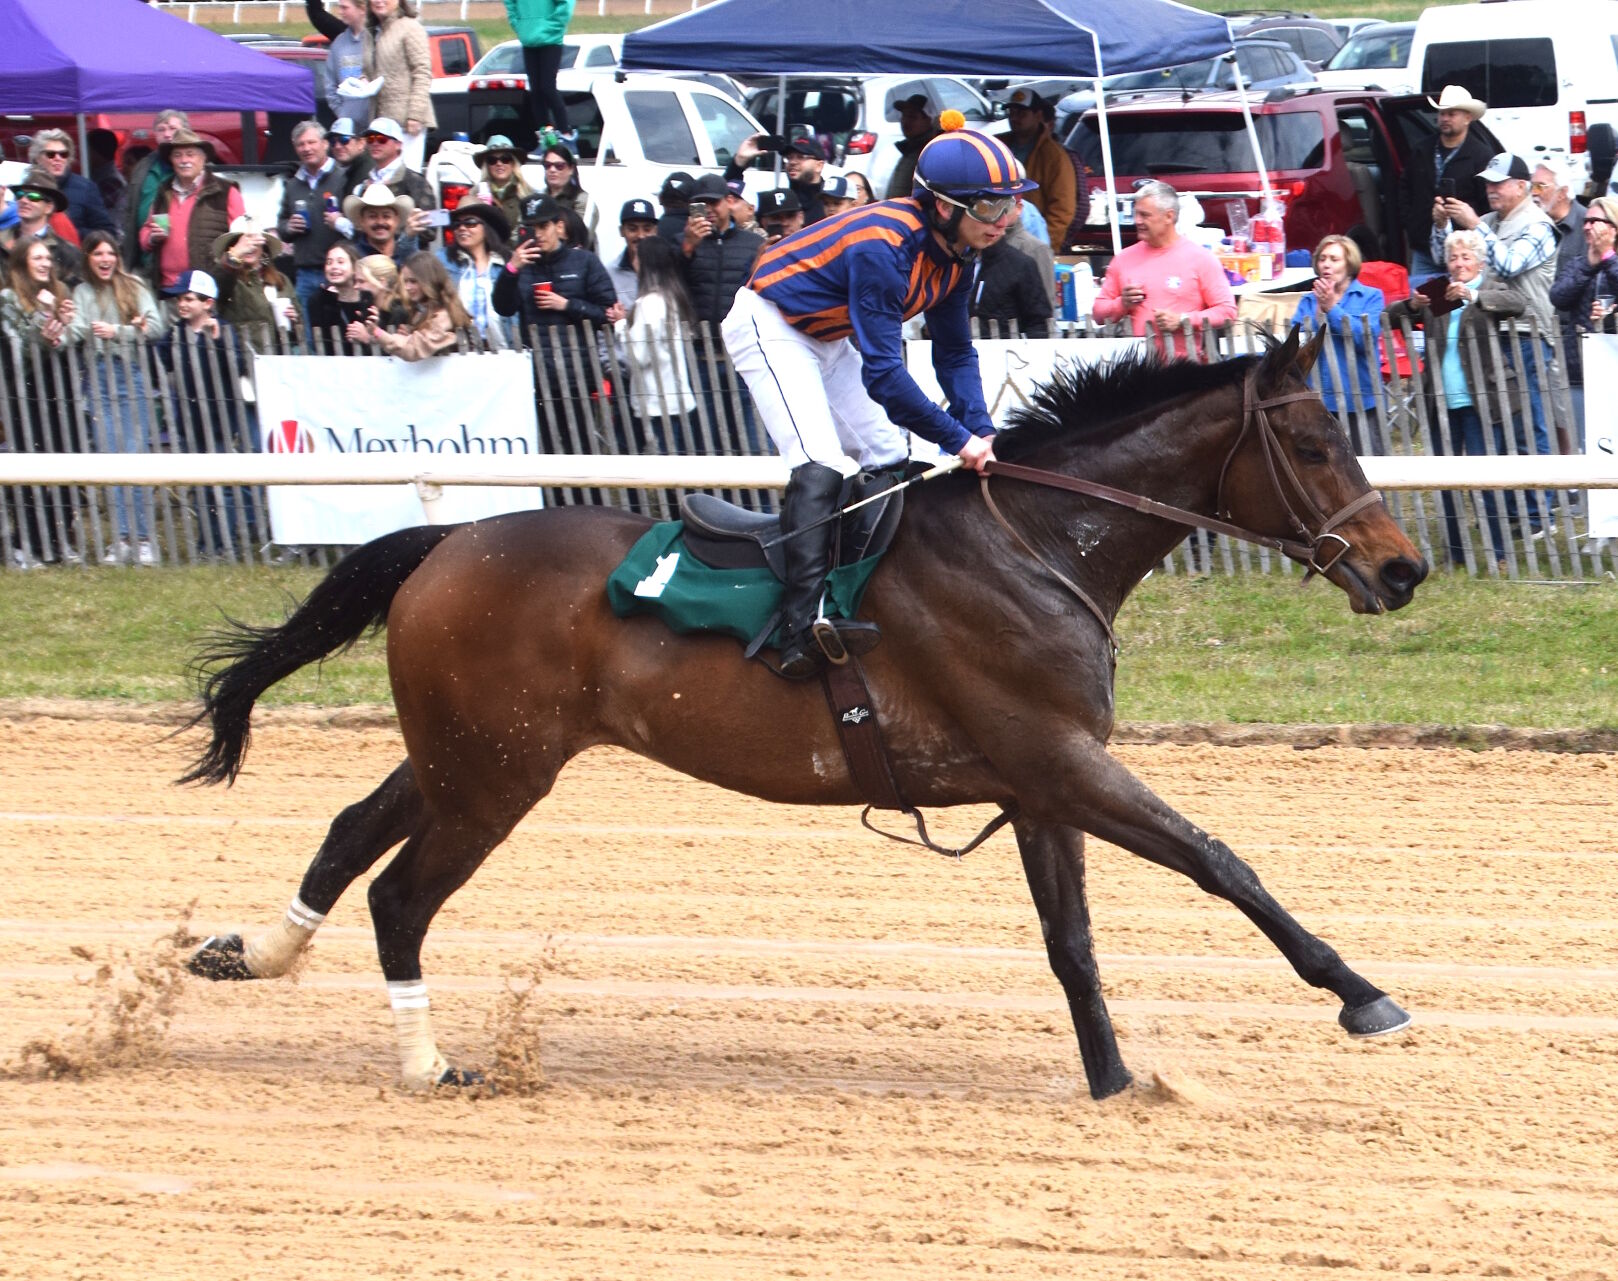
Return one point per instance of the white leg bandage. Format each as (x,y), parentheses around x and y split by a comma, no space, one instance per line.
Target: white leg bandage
(420,1064)
(271,954)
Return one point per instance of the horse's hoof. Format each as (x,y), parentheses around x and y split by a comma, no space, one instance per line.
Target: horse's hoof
(220,958)
(1114,1083)
(1378,1018)
(455,1078)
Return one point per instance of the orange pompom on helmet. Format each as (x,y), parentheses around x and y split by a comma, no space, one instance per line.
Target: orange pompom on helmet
(961,164)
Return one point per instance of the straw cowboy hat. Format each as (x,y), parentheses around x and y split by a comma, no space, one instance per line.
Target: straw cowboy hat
(1456,98)
(245,226)
(185,138)
(377,195)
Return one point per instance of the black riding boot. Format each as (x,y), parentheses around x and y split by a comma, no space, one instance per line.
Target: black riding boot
(809,641)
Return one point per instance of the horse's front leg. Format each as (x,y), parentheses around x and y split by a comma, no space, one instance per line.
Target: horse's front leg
(1099,795)
(1053,859)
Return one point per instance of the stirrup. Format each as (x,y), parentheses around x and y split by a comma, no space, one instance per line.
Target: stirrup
(841,638)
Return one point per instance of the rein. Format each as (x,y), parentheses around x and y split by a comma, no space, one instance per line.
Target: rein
(1319,551)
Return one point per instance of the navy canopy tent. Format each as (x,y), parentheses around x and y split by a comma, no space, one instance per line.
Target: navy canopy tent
(72,57)
(1019,38)
(1026,39)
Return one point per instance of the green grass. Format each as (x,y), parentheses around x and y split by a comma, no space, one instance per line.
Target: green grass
(1253,649)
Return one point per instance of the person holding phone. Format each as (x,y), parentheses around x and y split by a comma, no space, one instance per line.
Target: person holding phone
(803,158)
(1457,156)
(341,301)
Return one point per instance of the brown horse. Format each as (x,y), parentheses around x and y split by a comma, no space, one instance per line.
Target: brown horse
(992,686)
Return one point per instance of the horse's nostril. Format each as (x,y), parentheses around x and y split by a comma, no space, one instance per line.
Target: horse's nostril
(1401,575)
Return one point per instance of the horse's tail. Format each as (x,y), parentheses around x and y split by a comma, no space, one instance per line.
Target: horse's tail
(243,661)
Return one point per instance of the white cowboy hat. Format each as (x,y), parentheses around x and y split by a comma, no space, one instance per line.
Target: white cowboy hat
(1456,98)
(239,227)
(377,195)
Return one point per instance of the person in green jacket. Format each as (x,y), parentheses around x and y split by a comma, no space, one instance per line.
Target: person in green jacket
(540,25)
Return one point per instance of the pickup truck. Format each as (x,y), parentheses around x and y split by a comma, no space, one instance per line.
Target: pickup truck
(632,134)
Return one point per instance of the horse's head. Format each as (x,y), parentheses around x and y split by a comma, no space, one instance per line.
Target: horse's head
(1292,474)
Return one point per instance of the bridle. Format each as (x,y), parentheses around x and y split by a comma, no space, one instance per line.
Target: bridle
(1320,551)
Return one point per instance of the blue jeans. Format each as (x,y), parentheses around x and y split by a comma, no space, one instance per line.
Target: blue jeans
(1466,436)
(123,425)
(307,285)
(1532,358)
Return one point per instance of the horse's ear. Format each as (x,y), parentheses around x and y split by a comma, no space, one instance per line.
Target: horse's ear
(1311,350)
(1277,360)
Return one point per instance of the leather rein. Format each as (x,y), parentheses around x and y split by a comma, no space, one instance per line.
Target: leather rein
(1319,551)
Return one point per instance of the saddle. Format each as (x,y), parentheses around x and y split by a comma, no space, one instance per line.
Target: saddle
(724,536)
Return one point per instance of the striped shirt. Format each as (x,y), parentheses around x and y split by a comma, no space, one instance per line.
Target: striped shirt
(860,275)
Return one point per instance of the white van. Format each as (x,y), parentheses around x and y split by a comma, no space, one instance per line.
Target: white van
(1547,68)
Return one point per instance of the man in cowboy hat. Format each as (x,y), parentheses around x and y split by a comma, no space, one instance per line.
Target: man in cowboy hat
(384,139)
(381,220)
(1449,168)
(190,212)
(39,199)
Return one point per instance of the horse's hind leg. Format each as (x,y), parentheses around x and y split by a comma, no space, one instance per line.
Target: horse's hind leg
(1053,860)
(358,836)
(434,863)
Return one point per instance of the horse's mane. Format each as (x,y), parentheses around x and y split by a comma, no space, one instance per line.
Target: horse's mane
(1098,403)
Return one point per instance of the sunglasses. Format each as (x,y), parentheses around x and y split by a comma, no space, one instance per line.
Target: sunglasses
(505,160)
(557,164)
(55,155)
(378,137)
(466,223)
(1605,222)
(983,208)
(28,194)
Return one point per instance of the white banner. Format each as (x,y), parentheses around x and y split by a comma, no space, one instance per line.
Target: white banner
(462,405)
(1009,368)
(1601,426)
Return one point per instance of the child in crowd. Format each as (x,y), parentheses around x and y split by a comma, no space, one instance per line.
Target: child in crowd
(342,302)
(436,321)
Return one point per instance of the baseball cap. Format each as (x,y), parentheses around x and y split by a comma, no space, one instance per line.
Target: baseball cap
(343,129)
(1504,166)
(199,283)
(837,187)
(386,127)
(915,102)
(710,187)
(782,201)
(1026,99)
(805,147)
(541,209)
(678,183)
(638,210)
(736,187)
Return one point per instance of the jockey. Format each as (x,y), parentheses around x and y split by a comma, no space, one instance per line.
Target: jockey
(816,335)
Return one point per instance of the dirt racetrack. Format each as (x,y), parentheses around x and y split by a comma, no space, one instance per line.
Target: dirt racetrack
(776,1046)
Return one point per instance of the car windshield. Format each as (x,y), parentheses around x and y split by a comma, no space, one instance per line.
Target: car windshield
(1373,50)
(1151,144)
(506,60)
(1188,75)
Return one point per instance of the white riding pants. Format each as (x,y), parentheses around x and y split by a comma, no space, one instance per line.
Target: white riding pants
(809,393)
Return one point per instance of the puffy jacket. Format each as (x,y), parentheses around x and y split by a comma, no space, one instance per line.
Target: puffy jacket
(1576,287)
(397,51)
(539,22)
(577,274)
(717,268)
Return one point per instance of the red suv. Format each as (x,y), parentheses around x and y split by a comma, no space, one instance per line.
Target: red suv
(1337,156)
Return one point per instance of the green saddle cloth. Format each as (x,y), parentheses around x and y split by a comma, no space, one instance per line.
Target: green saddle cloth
(661,577)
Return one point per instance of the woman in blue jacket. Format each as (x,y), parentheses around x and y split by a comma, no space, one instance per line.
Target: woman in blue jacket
(1352,314)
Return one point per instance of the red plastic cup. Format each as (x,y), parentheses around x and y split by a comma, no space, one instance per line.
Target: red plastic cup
(541,289)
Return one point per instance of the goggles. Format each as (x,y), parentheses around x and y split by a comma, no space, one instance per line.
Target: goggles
(982,208)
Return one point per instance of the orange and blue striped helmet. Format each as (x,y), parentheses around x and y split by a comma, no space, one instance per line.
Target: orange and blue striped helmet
(963,163)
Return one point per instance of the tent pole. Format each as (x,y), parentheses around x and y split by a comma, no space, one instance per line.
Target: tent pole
(1106,154)
(780,123)
(84,147)
(1252,132)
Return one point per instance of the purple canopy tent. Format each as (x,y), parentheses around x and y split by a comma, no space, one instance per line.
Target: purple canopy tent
(71,57)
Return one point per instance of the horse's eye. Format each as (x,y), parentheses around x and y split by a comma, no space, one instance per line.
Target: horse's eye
(1311,454)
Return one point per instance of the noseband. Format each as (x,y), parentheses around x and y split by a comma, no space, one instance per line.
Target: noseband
(1319,551)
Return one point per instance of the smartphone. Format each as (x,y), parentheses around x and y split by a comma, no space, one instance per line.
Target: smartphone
(438,217)
(524,235)
(772,142)
(1446,188)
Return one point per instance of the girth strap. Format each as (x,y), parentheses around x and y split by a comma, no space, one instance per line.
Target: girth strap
(866,751)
